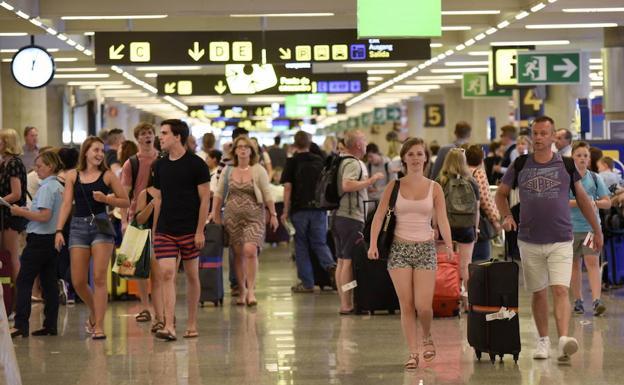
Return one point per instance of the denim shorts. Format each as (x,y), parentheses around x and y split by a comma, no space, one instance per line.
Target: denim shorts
(84,233)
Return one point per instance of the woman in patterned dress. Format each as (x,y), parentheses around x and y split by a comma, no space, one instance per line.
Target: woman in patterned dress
(244,188)
(13,190)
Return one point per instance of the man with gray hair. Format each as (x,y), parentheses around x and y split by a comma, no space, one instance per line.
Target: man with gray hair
(563,143)
(349,217)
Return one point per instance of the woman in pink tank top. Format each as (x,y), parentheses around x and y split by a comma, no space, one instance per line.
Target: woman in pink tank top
(412,261)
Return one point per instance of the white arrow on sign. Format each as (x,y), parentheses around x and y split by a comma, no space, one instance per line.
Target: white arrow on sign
(170,88)
(115,53)
(196,53)
(568,68)
(220,87)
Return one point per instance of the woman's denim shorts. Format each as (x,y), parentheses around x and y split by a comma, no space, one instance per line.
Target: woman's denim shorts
(84,233)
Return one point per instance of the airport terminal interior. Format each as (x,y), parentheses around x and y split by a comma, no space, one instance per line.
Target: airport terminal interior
(392,70)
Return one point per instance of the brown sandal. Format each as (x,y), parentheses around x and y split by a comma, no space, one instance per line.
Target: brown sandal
(412,362)
(429,352)
(157,326)
(144,316)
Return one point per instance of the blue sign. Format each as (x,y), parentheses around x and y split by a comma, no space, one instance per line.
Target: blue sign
(358,51)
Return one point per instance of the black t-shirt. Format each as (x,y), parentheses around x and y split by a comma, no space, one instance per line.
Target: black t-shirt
(177,181)
(303,171)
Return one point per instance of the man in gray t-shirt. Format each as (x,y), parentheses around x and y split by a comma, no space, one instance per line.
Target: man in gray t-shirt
(348,219)
(545,233)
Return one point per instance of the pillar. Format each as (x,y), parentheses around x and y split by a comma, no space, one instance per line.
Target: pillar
(612,64)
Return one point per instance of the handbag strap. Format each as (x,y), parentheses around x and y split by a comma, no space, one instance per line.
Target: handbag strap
(84,194)
(394,195)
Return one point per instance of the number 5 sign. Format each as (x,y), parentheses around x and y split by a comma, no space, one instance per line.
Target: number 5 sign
(434,115)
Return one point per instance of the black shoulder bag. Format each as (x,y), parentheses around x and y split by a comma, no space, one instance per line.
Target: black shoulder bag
(104,226)
(386,234)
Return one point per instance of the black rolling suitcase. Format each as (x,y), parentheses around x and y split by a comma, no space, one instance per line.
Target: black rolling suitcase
(374,290)
(493,285)
(211,266)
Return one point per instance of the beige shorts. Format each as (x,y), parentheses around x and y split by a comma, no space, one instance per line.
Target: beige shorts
(546,265)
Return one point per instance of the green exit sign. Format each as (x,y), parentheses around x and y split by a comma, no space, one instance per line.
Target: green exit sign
(399,18)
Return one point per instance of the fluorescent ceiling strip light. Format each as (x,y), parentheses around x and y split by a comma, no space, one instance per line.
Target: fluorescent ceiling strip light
(76,69)
(479,37)
(522,15)
(375,78)
(466,63)
(538,7)
(570,26)
(71,43)
(95,83)
(439,77)
(530,42)
(380,72)
(87,52)
(409,87)
(23,15)
(458,70)
(595,61)
(89,33)
(503,24)
(471,12)
(6,6)
(479,53)
(113,17)
(593,10)
(62,37)
(456,28)
(438,81)
(36,22)
(79,47)
(435,45)
(449,52)
(491,30)
(9,34)
(51,31)
(469,42)
(151,75)
(595,67)
(168,68)
(65,59)
(374,65)
(596,83)
(460,47)
(81,76)
(298,14)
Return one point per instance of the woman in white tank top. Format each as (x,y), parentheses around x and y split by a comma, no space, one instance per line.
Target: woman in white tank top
(412,261)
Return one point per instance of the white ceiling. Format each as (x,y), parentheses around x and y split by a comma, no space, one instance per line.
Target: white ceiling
(214,15)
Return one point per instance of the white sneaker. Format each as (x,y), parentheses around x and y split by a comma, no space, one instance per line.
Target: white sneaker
(542,349)
(567,347)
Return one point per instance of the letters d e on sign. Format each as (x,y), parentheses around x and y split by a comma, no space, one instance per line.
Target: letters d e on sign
(399,18)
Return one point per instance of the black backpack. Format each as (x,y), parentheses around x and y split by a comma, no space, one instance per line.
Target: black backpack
(520,161)
(327,195)
(307,173)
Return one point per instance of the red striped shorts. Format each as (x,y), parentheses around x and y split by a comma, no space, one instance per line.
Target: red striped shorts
(170,246)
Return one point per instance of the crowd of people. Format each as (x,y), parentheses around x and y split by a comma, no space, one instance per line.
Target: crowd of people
(82,202)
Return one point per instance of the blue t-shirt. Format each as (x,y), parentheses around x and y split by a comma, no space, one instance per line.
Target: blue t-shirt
(579,223)
(544,200)
(49,196)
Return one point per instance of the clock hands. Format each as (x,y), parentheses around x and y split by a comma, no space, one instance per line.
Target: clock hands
(33,65)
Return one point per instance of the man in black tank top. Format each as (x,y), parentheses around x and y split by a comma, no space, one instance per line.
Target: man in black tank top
(181,180)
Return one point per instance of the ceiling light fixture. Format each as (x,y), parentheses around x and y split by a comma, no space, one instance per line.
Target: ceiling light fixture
(380,72)
(23,15)
(471,12)
(503,24)
(375,78)
(374,65)
(81,76)
(6,6)
(95,83)
(456,28)
(530,42)
(89,33)
(433,81)
(466,63)
(65,59)
(298,14)
(538,7)
(151,75)
(435,45)
(8,34)
(114,17)
(76,69)
(570,26)
(522,15)
(479,53)
(459,70)
(595,61)
(593,10)
(168,68)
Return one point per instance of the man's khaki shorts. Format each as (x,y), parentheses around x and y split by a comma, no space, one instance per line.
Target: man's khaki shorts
(546,265)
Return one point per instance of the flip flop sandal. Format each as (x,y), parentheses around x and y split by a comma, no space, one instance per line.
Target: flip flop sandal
(346,312)
(143,316)
(157,326)
(165,335)
(412,362)
(190,334)
(89,326)
(98,336)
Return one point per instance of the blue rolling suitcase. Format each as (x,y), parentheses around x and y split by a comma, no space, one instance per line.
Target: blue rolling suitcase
(211,266)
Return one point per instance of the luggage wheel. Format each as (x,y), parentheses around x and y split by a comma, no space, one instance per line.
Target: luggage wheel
(492,358)
(515,358)
(478,353)
(201,303)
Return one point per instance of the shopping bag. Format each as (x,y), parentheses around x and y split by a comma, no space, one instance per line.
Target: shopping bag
(134,246)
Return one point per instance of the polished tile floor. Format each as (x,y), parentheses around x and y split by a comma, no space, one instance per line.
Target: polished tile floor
(300,339)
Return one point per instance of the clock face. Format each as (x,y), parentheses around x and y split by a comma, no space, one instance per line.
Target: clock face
(32,67)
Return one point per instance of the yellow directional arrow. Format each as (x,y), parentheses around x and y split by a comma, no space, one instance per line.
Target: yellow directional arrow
(196,53)
(170,88)
(115,53)
(285,54)
(220,87)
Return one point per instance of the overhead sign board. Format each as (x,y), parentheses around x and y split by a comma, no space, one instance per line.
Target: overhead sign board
(177,48)
(399,18)
(223,47)
(434,115)
(214,111)
(340,45)
(548,68)
(503,64)
(262,80)
(476,86)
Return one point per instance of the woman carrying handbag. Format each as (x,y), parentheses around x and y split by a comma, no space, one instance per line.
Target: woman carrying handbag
(412,257)
(91,233)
